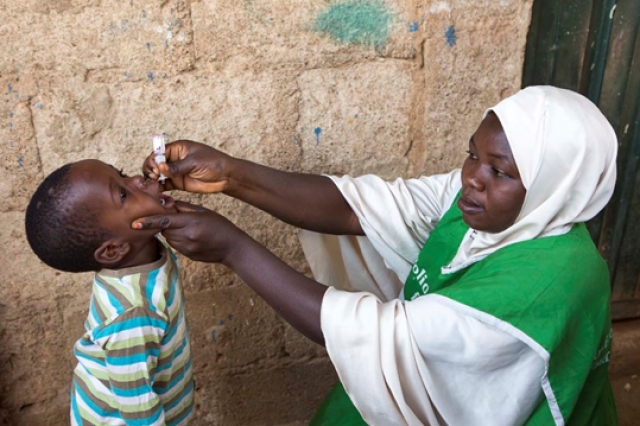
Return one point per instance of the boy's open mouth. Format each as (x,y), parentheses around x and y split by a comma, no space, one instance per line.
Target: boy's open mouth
(166,201)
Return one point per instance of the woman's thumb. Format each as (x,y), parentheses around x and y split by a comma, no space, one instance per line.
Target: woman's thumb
(184,207)
(176,168)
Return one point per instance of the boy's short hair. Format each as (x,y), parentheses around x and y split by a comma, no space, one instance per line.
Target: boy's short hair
(63,234)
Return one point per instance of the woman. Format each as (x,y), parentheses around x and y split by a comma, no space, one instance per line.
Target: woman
(503,317)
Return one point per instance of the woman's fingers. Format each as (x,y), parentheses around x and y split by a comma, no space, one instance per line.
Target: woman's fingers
(184,207)
(190,166)
(160,222)
(150,168)
(170,221)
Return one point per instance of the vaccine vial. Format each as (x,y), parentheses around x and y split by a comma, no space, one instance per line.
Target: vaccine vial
(158,150)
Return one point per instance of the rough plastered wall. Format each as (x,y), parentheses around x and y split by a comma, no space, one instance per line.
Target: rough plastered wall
(388,87)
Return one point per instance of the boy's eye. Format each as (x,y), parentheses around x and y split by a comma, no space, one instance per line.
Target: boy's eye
(471,155)
(123,193)
(123,174)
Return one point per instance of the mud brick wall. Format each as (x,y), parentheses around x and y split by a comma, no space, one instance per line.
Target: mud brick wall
(342,86)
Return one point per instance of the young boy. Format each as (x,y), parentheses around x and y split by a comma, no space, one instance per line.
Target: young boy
(134,361)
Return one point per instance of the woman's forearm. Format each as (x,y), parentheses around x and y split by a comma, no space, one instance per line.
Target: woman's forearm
(296,298)
(304,200)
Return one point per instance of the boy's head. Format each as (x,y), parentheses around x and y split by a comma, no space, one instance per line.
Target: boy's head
(79,219)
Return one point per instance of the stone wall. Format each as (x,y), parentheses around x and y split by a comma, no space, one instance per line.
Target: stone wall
(342,86)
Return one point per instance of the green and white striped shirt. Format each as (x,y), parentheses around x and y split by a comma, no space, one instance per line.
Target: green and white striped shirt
(134,361)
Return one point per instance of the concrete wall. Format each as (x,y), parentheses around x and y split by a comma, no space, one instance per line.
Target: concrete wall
(394,88)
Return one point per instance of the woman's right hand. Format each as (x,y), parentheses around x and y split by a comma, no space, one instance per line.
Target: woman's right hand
(191,166)
(304,200)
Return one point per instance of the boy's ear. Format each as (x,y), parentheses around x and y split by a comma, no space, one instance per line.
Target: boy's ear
(111,253)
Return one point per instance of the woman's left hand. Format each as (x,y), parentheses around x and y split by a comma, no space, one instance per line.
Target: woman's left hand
(196,232)
(203,235)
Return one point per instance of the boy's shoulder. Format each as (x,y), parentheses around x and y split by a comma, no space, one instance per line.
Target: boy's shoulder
(152,286)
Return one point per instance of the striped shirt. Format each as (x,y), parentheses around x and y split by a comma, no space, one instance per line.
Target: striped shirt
(134,361)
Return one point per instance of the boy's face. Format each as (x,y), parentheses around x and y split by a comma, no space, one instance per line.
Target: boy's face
(117,198)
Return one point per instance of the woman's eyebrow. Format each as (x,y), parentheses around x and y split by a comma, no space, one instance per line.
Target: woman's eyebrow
(499,156)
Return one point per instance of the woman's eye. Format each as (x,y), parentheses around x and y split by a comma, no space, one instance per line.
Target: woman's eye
(123,194)
(500,173)
(471,155)
(123,174)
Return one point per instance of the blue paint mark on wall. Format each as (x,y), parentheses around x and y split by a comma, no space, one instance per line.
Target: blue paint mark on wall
(450,34)
(40,106)
(20,161)
(317,131)
(126,74)
(213,334)
(149,46)
(144,13)
(10,126)
(10,88)
(364,22)
(151,77)
(413,27)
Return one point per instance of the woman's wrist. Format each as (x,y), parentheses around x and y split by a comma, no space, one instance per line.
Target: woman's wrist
(238,173)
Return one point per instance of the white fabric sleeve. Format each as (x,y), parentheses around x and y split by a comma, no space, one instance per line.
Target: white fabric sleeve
(397,218)
(428,362)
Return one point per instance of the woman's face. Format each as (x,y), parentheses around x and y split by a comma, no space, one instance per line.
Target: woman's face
(492,192)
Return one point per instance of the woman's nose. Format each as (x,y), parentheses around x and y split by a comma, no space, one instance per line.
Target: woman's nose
(475,181)
(477,184)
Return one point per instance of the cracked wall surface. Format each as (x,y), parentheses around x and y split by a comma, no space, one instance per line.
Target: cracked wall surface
(343,86)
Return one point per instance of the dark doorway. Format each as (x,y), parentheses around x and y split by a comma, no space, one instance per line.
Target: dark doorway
(593,47)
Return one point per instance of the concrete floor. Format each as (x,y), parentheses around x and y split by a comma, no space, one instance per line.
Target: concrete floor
(624,370)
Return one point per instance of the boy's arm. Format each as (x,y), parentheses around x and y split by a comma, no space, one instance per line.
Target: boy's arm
(132,345)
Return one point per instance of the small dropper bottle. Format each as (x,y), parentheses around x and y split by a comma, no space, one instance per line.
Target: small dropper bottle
(158,149)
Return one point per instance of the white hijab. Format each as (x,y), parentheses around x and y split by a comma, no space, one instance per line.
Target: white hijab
(565,150)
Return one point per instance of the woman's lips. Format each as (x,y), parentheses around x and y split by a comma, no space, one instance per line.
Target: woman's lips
(468,206)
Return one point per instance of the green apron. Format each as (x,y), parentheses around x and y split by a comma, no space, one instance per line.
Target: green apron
(555,290)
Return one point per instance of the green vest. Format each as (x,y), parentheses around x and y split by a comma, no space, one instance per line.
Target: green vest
(555,290)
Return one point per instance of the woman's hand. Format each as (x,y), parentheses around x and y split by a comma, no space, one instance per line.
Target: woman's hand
(203,235)
(304,200)
(196,232)
(191,166)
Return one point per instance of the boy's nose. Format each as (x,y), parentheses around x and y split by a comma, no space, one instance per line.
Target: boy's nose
(141,182)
